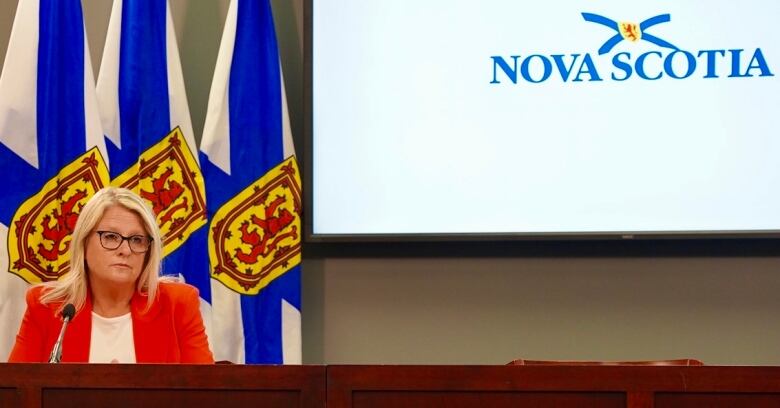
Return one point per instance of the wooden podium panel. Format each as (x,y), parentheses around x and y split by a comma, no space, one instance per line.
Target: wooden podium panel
(717,400)
(553,386)
(164,386)
(228,386)
(9,397)
(486,399)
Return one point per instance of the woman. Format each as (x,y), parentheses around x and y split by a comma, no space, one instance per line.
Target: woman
(125,312)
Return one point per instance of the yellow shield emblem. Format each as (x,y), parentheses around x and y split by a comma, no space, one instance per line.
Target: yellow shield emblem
(40,233)
(630,31)
(255,236)
(167,176)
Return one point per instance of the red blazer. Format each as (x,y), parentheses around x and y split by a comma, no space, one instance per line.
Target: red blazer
(171,331)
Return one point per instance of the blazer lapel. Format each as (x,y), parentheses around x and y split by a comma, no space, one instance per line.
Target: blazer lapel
(75,344)
(149,333)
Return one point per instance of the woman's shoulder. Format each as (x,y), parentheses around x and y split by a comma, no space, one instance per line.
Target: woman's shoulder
(177,290)
(35,293)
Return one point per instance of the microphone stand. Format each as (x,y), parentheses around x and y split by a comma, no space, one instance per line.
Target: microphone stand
(56,352)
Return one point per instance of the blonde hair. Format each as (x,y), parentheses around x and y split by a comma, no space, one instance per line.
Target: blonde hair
(73,286)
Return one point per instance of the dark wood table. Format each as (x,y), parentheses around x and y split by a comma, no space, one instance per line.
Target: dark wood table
(164,386)
(227,386)
(553,386)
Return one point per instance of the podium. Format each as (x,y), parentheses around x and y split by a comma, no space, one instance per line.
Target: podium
(553,386)
(164,386)
(376,386)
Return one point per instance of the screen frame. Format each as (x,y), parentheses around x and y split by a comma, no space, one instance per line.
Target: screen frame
(610,243)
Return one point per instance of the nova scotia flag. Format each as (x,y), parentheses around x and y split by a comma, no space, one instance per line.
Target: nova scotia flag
(146,118)
(253,196)
(52,150)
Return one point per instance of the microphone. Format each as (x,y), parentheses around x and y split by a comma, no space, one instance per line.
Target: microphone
(67,314)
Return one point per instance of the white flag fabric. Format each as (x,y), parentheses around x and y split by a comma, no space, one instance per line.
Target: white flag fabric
(52,150)
(253,196)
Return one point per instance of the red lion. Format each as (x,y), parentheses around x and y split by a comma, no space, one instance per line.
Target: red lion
(65,222)
(162,197)
(631,31)
(270,227)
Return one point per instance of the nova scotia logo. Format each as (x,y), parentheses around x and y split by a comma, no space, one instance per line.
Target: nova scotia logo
(629,31)
(669,61)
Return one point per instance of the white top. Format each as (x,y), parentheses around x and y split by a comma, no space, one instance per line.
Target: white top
(112,339)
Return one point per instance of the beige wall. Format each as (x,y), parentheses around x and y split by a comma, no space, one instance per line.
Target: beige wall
(491,310)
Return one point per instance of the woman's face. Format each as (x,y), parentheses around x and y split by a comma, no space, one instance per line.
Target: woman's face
(120,267)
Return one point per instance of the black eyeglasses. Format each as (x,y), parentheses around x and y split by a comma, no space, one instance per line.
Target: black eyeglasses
(112,240)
